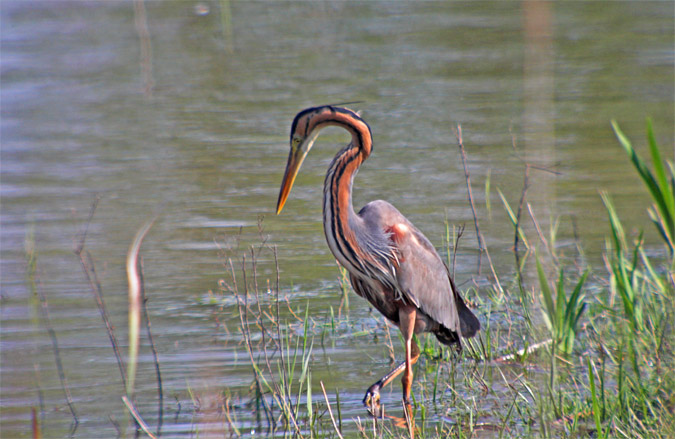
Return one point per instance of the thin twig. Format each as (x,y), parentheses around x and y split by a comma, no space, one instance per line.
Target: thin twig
(89,269)
(460,232)
(141,423)
(517,234)
(286,384)
(47,321)
(243,317)
(479,236)
(330,412)
(83,234)
(494,272)
(261,324)
(155,357)
(524,351)
(233,425)
(538,229)
(538,168)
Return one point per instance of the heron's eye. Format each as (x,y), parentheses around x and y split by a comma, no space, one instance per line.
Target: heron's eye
(295,141)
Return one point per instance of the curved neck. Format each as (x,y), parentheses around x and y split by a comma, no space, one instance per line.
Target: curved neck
(337,187)
(311,121)
(344,229)
(341,224)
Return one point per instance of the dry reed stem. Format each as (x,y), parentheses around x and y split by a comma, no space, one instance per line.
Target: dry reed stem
(330,412)
(89,269)
(47,322)
(479,236)
(135,299)
(409,420)
(524,351)
(460,232)
(137,417)
(233,425)
(243,317)
(57,359)
(538,229)
(390,344)
(287,386)
(160,392)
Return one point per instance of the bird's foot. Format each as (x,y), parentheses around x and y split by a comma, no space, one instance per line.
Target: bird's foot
(372,401)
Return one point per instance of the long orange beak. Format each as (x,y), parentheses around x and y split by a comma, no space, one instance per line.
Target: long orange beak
(292,168)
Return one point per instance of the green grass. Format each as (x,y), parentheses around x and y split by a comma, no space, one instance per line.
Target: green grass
(562,316)
(598,364)
(660,183)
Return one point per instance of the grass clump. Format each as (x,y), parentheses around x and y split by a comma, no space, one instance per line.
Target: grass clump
(660,183)
(562,316)
(599,365)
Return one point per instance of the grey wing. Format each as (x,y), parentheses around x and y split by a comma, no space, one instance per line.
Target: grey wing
(423,277)
(419,273)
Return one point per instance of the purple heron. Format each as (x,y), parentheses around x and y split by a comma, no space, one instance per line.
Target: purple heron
(390,262)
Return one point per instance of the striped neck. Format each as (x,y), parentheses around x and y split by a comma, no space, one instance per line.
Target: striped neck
(341,224)
(339,219)
(312,120)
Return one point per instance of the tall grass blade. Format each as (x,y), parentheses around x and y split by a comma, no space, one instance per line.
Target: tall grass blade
(594,399)
(546,292)
(487,193)
(662,193)
(639,164)
(560,306)
(135,297)
(660,170)
(622,274)
(513,219)
(562,317)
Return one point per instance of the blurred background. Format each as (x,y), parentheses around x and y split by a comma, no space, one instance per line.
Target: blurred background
(182,110)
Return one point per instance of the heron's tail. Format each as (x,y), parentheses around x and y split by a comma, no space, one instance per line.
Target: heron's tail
(468,322)
(447,337)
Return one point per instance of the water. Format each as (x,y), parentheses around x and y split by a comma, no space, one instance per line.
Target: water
(186,115)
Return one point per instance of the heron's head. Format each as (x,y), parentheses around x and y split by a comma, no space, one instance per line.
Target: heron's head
(303,135)
(304,131)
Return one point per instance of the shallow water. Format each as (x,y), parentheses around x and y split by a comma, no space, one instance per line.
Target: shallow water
(185,115)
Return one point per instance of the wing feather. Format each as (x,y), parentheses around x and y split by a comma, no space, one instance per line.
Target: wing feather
(418,271)
(422,275)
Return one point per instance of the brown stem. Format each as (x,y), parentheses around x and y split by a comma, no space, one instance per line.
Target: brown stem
(89,269)
(47,321)
(479,236)
(146,316)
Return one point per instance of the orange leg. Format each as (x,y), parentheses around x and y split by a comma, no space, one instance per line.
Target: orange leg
(371,400)
(407,317)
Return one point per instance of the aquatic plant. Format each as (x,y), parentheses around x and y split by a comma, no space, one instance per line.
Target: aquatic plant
(660,184)
(562,316)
